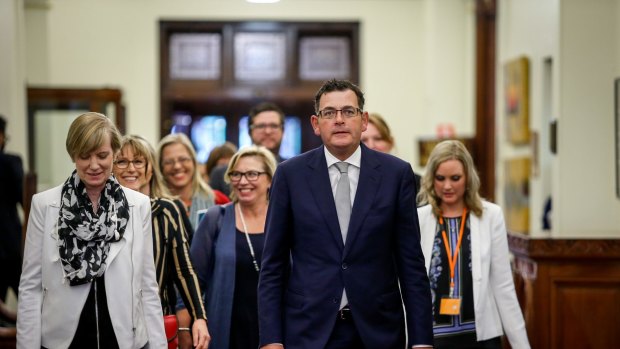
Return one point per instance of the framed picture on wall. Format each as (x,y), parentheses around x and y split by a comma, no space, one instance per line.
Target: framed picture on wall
(617,137)
(516,97)
(517,194)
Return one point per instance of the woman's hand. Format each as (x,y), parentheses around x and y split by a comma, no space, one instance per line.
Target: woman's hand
(185,336)
(185,340)
(200,334)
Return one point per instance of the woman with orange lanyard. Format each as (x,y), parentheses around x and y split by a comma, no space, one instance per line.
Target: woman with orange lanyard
(464,241)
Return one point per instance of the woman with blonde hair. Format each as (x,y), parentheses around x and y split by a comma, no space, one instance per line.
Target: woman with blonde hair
(88,277)
(178,165)
(227,250)
(136,168)
(464,241)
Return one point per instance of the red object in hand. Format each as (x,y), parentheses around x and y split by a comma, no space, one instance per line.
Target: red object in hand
(171,326)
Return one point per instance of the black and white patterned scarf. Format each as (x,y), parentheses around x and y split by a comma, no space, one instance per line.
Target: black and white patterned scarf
(83,236)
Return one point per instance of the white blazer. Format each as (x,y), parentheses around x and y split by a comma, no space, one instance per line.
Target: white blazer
(49,309)
(495,299)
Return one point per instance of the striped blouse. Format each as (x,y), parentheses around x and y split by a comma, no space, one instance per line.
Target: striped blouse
(172,261)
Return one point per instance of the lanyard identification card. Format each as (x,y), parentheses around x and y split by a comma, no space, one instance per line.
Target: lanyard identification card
(450,306)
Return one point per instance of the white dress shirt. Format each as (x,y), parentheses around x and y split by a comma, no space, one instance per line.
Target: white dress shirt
(354,162)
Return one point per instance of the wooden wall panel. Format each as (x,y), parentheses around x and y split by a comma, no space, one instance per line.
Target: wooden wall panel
(580,307)
(569,291)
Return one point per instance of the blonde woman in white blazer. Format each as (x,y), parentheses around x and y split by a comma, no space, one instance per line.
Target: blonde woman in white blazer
(474,301)
(88,276)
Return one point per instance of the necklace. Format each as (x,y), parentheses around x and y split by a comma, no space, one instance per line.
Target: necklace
(247,238)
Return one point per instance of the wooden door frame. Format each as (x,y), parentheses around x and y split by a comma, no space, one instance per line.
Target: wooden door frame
(484,140)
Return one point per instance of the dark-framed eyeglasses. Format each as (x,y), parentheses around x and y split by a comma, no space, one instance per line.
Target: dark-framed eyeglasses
(235,176)
(264,127)
(124,163)
(347,112)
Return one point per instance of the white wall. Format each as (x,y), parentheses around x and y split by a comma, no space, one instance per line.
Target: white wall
(12,94)
(528,28)
(416,55)
(582,40)
(586,197)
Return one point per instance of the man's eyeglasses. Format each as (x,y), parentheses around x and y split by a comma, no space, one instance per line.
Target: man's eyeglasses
(347,112)
(172,162)
(124,163)
(235,176)
(263,127)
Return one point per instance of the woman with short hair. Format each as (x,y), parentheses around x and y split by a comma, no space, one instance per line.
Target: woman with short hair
(227,249)
(88,278)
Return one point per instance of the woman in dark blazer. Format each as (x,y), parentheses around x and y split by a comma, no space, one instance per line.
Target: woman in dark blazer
(227,249)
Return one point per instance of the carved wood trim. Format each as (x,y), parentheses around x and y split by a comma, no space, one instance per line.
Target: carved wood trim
(524,246)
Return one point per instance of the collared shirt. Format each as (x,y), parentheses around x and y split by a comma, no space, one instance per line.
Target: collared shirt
(354,162)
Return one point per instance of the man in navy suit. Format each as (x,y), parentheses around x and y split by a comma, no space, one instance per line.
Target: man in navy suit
(11,188)
(324,286)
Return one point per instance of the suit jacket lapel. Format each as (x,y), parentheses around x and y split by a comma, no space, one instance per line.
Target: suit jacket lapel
(320,187)
(367,188)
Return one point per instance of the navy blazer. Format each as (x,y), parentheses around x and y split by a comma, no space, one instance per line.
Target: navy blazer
(306,265)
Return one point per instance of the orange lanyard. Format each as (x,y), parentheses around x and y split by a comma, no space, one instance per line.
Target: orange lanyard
(452,258)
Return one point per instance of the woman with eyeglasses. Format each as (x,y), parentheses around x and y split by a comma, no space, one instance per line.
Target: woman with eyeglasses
(177,163)
(227,249)
(135,168)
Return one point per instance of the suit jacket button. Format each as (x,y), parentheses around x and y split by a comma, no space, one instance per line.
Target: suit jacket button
(335,300)
(345,265)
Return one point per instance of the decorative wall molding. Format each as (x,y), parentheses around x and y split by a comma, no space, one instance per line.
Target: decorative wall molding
(563,248)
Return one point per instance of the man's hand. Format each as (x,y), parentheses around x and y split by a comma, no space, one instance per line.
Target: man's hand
(200,334)
(273,346)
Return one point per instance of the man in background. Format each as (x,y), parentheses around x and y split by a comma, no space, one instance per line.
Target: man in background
(266,128)
(11,193)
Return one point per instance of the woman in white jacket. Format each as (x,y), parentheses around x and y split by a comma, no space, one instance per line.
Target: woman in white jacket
(465,247)
(88,278)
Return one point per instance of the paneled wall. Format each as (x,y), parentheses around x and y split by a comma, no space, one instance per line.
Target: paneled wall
(569,291)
